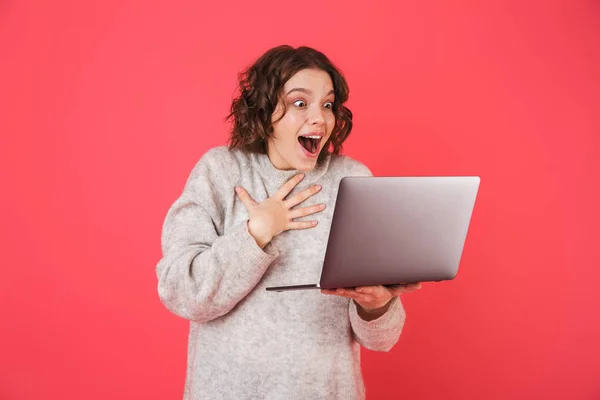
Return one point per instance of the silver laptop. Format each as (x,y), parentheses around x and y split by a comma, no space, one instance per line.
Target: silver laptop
(396,230)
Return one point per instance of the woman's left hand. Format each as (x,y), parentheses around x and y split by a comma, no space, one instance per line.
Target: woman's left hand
(372,298)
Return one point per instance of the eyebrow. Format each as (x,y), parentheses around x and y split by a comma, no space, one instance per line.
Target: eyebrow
(303,90)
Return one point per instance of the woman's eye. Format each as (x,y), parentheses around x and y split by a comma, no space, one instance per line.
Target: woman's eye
(329,105)
(299,103)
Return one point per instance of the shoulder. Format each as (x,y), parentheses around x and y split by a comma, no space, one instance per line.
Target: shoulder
(218,164)
(216,158)
(348,166)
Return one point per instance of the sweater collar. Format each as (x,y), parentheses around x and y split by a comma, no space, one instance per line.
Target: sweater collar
(278,177)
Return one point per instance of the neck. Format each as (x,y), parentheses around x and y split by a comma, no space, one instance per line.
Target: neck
(277,176)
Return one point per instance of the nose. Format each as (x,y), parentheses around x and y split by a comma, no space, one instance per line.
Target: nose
(316,116)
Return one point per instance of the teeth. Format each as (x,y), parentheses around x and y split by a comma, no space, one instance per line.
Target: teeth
(313,137)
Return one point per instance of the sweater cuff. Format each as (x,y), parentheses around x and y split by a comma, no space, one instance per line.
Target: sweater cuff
(253,256)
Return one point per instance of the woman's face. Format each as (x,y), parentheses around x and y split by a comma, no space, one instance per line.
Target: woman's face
(301,134)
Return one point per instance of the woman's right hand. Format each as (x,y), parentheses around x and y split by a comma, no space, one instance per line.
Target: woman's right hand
(275,215)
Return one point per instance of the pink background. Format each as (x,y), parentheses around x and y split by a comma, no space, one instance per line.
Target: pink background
(106,106)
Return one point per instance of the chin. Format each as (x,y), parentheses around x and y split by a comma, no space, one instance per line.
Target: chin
(305,164)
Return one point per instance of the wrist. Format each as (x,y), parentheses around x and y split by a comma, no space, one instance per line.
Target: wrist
(371,313)
(377,308)
(261,239)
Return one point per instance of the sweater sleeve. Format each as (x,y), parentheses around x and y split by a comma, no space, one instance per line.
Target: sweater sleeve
(201,275)
(380,334)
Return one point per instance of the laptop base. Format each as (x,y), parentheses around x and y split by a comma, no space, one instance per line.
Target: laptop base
(294,287)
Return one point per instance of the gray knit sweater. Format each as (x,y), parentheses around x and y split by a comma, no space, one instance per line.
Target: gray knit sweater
(245,342)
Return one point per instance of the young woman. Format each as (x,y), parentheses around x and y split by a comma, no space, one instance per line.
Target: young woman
(257,213)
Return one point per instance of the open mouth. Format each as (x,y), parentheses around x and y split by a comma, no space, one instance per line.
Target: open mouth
(310,143)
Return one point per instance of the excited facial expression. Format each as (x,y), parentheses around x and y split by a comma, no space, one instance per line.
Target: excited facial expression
(299,137)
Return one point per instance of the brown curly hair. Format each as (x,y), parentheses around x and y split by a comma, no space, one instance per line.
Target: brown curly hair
(260,89)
